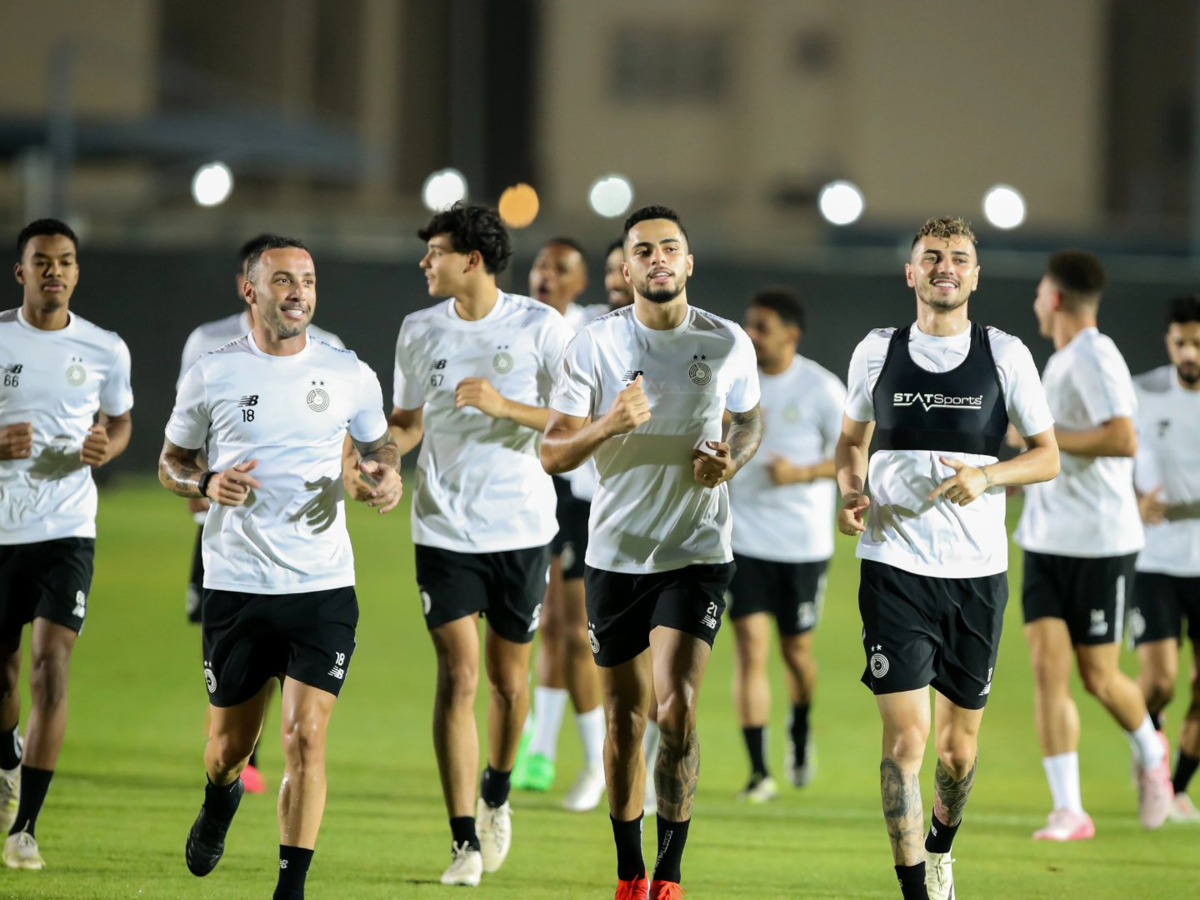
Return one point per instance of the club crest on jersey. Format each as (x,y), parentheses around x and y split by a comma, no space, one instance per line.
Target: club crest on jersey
(698,371)
(318,400)
(502,362)
(76,373)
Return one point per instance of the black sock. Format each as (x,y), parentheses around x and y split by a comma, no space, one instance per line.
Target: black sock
(34,785)
(941,836)
(253,757)
(293,869)
(756,746)
(10,749)
(799,732)
(462,831)
(1156,720)
(672,836)
(1185,768)
(222,800)
(912,882)
(495,787)
(628,838)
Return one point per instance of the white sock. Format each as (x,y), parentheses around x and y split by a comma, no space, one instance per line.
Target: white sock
(591,734)
(1062,772)
(650,744)
(1147,748)
(549,705)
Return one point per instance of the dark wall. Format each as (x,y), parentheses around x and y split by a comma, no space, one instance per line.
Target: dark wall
(155,300)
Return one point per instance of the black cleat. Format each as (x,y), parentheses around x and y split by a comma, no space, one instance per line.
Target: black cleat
(206,840)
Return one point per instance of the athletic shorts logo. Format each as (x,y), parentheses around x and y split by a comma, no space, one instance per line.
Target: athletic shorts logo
(1099,623)
(879,663)
(593,640)
(1137,624)
(76,374)
(426,602)
(568,555)
(699,372)
(806,615)
(536,620)
(987,688)
(709,619)
(210,678)
(318,400)
(502,362)
(80,609)
(338,669)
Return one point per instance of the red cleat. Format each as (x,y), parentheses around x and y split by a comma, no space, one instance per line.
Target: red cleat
(637,889)
(253,781)
(665,890)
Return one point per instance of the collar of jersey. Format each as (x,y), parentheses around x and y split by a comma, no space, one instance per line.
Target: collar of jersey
(24,323)
(646,329)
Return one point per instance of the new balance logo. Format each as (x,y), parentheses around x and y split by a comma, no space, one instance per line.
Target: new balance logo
(987,688)
(631,375)
(936,401)
(709,619)
(249,400)
(438,364)
(1099,623)
(337,672)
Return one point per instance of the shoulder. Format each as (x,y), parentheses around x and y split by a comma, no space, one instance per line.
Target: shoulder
(876,342)
(1101,351)
(327,336)
(230,325)
(1005,345)
(424,319)
(8,317)
(93,333)
(815,372)
(529,309)
(1156,381)
(710,321)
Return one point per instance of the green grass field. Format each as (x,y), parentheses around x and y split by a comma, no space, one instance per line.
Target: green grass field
(131,775)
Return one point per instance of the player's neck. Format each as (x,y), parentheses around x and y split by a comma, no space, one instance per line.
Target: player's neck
(560,307)
(1067,327)
(274,345)
(778,366)
(45,318)
(476,301)
(942,323)
(661,316)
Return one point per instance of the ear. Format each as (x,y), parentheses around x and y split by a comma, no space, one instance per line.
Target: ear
(248,293)
(474,261)
(975,279)
(691,263)
(908,275)
(19,273)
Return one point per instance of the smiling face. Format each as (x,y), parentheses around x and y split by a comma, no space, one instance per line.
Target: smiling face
(282,289)
(658,263)
(49,271)
(558,276)
(943,271)
(446,269)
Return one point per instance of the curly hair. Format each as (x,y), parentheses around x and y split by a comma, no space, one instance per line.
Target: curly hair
(475,228)
(946,227)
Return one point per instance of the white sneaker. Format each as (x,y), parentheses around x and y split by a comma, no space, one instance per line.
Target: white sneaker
(467,867)
(939,876)
(494,827)
(1184,810)
(650,798)
(10,796)
(21,852)
(1064,825)
(1155,794)
(759,790)
(587,792)
(801,774)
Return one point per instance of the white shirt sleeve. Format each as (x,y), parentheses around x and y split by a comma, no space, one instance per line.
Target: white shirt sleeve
(369,423)
(408,390)
(191,353)
(576,391)
(1105,384)
(1024,396)
(190,419)
(865,366)
(116,394)
(831,402)
(555,338)
(744,390)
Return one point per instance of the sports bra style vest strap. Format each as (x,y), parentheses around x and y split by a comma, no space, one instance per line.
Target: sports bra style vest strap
(959,411)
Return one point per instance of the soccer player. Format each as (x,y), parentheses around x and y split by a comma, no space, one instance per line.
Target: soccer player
(1167,587)
(272,409)
(783,509)
(644,389)
(564,663)
(204,339)
(938,396)
(473,377)
(65,403)
(1077,579)
(617,292)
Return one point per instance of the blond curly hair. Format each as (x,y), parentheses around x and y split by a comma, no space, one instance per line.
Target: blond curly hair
(946,227)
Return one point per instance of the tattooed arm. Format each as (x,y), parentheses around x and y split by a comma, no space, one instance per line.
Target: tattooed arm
(722,460)
(379,467)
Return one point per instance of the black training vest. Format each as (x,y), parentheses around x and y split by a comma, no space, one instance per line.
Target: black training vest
(960,411)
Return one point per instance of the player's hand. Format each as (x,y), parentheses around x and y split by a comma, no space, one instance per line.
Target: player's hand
(1013,438)
(232,487)
(1152,507)
(95,447)
(712,468)
(481,394)
(967,483)
(782,472)
(629,410)
(197,505)
(851,518)
(387,488)
(16,441)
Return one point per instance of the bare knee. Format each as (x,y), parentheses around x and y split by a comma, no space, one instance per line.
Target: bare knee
(576,641)
(48,676)
(1097,681)
(957,756)
(230,750)
(906,742)
(303,746)
(508,687)
(1159,690)
(457,680)
(677,715)
(625,725)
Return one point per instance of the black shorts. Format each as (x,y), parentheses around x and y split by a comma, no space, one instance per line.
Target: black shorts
(793,593)
(251,638)
(506,587)
(1160,604)
(46,580)
(571,541)
(195,588)
(920,631)
(623,608)
(1089,593)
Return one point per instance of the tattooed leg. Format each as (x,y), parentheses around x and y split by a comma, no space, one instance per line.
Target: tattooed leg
(676,773)
(902,811)
(950,798)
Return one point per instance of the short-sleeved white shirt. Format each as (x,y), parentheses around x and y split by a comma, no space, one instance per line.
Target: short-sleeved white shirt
(583,480)
(1168,424)
(904,528)
(55,380)
(480,486)
(1090,509)
(649,514)
(291,415)
(802,419)
(216,334)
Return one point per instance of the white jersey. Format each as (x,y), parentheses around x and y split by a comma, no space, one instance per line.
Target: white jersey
(1168,424)
(802,418)
(578,315)
(1090,509)
(905,529)
(291,415)
(584,479)
(649,513)
(216,334)
(480,487)
(57,381)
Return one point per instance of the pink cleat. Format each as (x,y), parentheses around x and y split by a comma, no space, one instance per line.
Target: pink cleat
(253,781)
(1065,825)
(1155,793)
